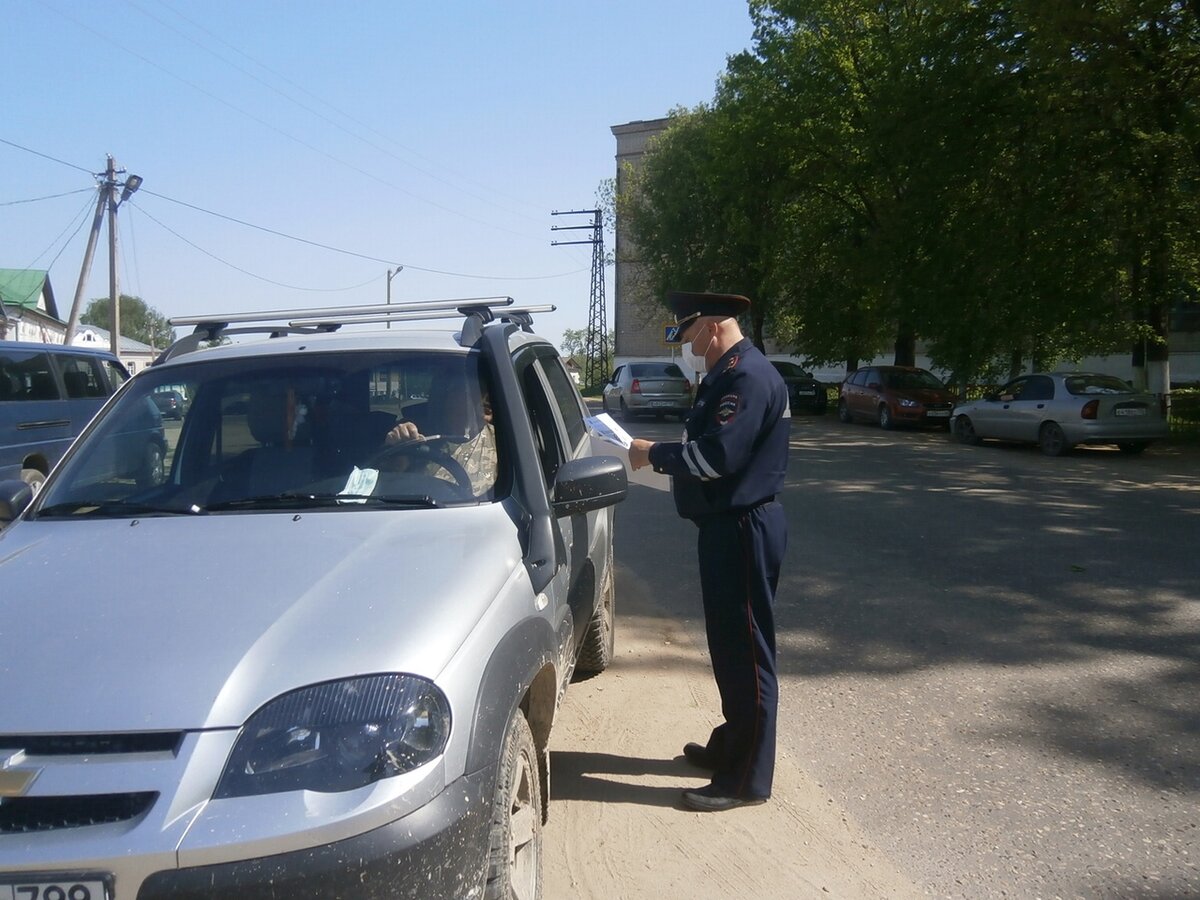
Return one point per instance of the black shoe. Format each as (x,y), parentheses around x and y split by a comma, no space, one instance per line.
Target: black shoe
(706,799)
(699,756)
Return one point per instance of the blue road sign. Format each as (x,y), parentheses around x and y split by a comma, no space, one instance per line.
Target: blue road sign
(671,334)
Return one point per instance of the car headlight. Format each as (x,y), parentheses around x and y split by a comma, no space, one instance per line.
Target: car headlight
(905,402)
(338,736)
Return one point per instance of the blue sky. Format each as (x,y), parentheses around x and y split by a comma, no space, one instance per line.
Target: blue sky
(438,136)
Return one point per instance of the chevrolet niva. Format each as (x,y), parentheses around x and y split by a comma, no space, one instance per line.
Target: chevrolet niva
(322,656)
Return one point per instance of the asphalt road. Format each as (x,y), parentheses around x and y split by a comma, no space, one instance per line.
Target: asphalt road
(990,659)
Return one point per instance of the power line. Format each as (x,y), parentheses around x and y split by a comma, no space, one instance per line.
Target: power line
(49,197)
(263,278)
(387,262)
(47,156)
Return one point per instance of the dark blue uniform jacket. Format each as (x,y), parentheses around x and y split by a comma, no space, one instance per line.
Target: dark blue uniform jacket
(735,453)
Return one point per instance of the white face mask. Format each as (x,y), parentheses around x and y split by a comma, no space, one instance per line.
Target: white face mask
(696,363)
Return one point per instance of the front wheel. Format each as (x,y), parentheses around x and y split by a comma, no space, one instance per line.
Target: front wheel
(964,429)
(596,652)
(1052,440)
(885,417)
(843,411)
(515,851)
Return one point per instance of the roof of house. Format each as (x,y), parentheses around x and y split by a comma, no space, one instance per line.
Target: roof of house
(28,288)
(104,336)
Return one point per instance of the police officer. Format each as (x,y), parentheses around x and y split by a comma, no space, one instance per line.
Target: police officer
(726,476)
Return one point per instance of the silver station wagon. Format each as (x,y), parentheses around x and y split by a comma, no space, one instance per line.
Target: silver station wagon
(322,655)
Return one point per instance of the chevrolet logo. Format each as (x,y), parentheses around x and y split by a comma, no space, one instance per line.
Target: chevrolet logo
(15,778)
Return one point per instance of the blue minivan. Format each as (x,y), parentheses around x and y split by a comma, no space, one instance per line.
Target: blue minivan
(48,394)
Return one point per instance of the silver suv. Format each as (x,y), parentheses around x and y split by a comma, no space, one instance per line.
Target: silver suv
(322,658)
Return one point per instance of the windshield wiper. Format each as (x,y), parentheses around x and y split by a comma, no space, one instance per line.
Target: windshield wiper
(294,500)
(118,508)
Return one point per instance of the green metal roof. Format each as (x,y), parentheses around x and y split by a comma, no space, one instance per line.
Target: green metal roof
(26,287)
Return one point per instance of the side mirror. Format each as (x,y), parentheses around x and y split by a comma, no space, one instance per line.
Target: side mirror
(592,482)
(15,497)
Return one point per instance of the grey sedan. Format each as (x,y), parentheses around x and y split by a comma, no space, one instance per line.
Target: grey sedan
(1058,410)
(648,388)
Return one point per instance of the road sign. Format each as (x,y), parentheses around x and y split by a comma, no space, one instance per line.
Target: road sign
(670,334)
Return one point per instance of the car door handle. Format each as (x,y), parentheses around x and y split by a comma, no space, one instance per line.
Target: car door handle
(1041,406)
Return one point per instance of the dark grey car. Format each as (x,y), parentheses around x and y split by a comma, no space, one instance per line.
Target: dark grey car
(804,391)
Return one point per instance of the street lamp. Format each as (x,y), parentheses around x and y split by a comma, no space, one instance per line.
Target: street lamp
(390,275)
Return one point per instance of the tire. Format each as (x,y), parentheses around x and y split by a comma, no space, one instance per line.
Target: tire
(151,473)
(885,417)
(604,403)
(843,411)
(626,415)
(964,429)
(1132,448)
(33,478)
(596,651)
(515,850)
(1052,440)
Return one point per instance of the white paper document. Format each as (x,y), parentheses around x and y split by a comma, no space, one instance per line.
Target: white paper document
(604,428)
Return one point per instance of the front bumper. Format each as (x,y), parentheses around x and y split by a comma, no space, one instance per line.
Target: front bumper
(440,850)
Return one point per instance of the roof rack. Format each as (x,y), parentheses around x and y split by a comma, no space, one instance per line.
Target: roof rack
(478,311)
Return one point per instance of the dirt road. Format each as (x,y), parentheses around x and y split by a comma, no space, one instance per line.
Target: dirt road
(617,830)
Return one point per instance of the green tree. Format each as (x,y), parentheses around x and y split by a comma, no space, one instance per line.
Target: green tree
(139,320)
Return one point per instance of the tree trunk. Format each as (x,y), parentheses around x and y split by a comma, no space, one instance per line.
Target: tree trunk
(906,345)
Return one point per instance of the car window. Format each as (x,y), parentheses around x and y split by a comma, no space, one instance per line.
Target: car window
(655,370)
(1082,385)
(616,376)
(541,417)
(1037,387)
(295,431)
(859,378)
(27,375)
(567,399)
(117,376)
(913,380)
(81,376)
(789,370)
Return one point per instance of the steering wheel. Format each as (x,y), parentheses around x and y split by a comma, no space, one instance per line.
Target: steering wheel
(424,451)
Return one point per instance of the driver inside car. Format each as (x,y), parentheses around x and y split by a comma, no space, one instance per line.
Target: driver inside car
(464,424)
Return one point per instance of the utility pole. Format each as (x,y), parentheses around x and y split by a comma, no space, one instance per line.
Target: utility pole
(595,341)
(107,197)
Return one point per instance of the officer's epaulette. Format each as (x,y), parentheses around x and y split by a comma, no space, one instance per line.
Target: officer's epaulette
(733,361)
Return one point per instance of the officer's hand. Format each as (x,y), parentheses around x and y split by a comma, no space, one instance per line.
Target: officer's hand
(403,433)
(639,453)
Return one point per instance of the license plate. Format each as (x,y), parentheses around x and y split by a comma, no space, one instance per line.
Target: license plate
(660,402)
(809,391)
(1130,411)
(938,413)
(54,890)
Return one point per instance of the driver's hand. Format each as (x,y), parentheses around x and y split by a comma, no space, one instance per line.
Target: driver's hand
(402,433)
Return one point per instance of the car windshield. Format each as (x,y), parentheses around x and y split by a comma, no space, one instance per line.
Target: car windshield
(1082,385)
(790,370)
(320,431)
(655,370)
(915,380)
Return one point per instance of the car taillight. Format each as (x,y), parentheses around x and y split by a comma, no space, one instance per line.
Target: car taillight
(1089,409)
(636,387)
(687,386)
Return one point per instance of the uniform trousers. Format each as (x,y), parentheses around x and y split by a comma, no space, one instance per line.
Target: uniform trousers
(740,557)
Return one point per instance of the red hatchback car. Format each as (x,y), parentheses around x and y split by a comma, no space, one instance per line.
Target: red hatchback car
(895,395)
